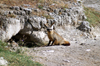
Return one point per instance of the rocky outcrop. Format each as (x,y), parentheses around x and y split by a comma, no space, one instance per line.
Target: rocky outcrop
(19,21)
(9,27)
(69,16)
(84,26)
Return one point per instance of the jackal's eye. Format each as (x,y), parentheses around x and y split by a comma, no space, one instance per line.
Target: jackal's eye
(49,29)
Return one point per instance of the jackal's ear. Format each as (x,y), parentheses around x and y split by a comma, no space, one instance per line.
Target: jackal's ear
(51,27)
(52,24)
(46,25)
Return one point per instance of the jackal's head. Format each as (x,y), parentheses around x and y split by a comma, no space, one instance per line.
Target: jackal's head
(49,28)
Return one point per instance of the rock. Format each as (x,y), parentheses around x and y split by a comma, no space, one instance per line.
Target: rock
(65,60)
(36,10)
(84,26)
(32,26)
(36,37)
(88,50)
(26,5)
(10,27)
(83,17)
(95,32)
(27,10)
(3,62)
(37,22)
(14,44)
(14,47)
(40,36)
(82,44)
(23,25)
(10,12)
(50,51)
(68,16)
(15,7)
(32,29)
(20,13)
(79,22)
(4,13)
(56,11)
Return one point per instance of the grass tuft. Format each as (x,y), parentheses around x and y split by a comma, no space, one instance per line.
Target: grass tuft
(93,16)
(15,59)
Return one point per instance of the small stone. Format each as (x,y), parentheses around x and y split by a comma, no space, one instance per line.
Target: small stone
(88,50)
(3,61)
(66,60)
(50,50)
(82,44)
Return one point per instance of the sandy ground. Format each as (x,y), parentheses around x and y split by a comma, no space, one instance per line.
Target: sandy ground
(77,54)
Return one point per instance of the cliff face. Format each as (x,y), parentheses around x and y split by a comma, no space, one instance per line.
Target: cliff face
(20,23)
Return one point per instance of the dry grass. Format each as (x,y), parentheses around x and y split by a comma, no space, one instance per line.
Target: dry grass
(42,13)
(59,3)
(39,4)
(16,2)
(11,15)
(93,16)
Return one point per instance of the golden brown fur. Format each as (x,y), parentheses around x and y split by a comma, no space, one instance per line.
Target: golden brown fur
(55,38)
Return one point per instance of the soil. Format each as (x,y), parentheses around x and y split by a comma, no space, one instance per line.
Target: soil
(77,54)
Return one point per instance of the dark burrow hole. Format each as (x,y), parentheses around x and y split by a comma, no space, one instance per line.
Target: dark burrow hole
(24,40)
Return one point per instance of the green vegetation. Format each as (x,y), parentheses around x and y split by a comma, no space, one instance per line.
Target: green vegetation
(15,59)
(40,6)
(48,17)
(93,16)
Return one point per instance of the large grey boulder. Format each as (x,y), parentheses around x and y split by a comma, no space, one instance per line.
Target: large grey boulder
(84,26)
(33,30)
(9,27)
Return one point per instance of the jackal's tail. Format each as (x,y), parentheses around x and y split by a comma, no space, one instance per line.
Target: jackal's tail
(66,43)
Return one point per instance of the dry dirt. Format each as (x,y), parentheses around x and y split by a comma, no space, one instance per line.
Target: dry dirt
(77,54)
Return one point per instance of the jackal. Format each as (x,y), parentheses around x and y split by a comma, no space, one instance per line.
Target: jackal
(54,37)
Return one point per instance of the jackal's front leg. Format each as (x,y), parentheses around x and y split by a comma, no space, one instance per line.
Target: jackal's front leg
(53,42)
(49,42)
